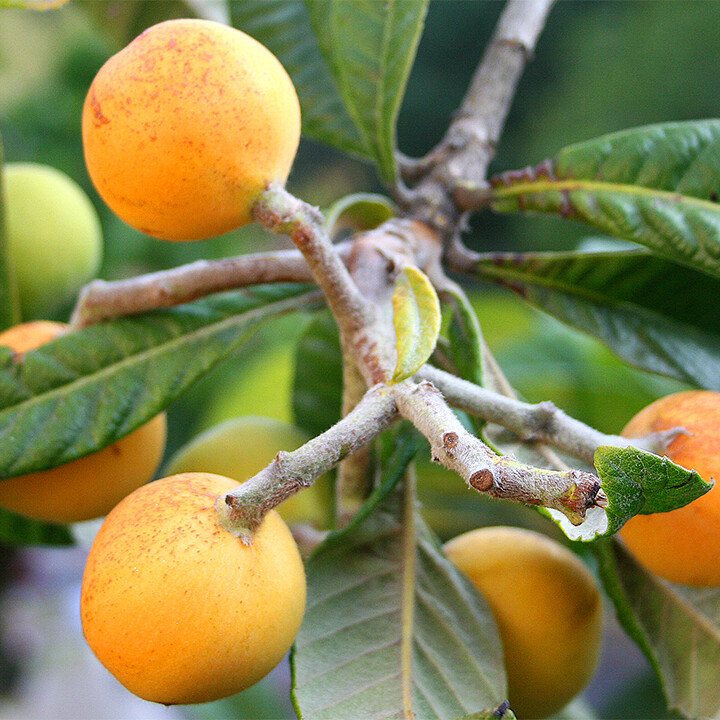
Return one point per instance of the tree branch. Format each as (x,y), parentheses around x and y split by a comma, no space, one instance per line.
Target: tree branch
(279,211)
(572,492)
(101,300)
(244,508)
(543,422)
(462,157)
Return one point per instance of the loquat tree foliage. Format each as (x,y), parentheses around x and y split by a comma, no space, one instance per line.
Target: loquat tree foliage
(376,297)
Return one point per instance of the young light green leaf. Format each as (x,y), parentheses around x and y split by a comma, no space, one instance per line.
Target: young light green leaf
(657,315)
(317,389)
(392,629)
(19,530)
(86,389)
(9,301)
(417,317)
(636,481)
(677,627)
(657,186)
(360,211)
(349,63)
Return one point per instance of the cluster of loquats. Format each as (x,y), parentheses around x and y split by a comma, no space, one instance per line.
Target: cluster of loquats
(182,131)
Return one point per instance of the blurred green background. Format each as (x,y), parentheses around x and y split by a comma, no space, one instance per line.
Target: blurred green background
(600,66)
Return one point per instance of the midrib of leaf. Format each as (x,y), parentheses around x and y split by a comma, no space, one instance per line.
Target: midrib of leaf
(381,98)
(409,554)
(150,353)
(502,192)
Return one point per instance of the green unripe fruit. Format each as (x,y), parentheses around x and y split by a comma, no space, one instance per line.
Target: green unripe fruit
(240,448)
(54,236)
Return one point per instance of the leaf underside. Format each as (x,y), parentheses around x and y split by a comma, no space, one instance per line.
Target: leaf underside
(677,627)
(657,186)
(392,629)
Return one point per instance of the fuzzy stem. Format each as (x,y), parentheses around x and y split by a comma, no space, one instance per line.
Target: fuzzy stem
(352,485)
(101,300)
(279,211)
(241,511)
(462,157)
(572,491)
(542,422)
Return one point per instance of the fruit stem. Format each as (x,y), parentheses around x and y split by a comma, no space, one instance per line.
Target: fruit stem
(242,510)
(279,211)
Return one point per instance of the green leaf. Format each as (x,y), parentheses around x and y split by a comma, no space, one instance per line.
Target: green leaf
(678,629)
(655,314)
(359,212)
(9,300)
(317,389)
(284,28)
(19,530)
(465,336)
(370,47)
(637,481)
(417,317)
(657,186)
(392,629)
(349,63)
(84,390)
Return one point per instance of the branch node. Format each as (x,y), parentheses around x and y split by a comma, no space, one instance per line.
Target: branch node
(482,480)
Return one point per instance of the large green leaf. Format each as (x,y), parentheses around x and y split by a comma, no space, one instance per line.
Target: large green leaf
(318,386)
(349,62)
(370,47)
(678,628)
(392,629)
(655,314)
(84,390)
(657,186)
(9,305)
